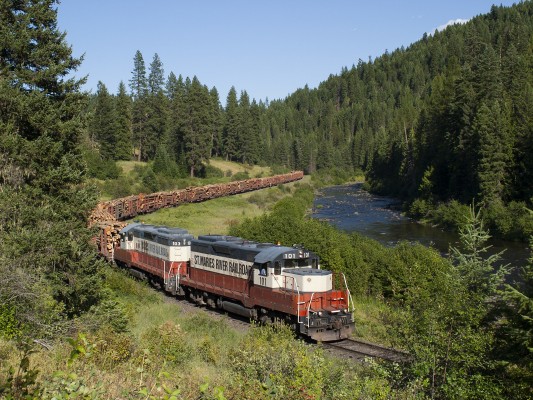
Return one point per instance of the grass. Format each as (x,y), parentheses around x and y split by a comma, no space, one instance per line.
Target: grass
(217,215)
(128,166)
(234,167)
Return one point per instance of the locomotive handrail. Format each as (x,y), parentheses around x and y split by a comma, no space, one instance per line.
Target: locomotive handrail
(294,285)
(349,294)
(309,309)
(178,278)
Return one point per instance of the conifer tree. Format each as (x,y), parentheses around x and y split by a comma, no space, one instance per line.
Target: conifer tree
(254,145)
(197,126)
(103,126)
(177,114)
(139,92)
(124,145)
(156,78)
(216,123)
(495,147)
(244,138)
(46,263)
(156,109)
(231,127)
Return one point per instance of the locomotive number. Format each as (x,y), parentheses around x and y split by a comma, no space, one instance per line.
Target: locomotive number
(291,256)
(262,281)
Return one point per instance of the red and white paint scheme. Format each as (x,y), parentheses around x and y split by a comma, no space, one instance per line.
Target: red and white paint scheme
(261,281)
(155,252)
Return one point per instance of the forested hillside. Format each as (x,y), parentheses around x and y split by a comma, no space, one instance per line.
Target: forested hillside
(447,118)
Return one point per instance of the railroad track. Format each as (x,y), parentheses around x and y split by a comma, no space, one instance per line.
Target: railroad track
(360,350)
(356,350)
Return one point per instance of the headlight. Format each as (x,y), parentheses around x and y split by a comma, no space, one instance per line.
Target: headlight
(320,313)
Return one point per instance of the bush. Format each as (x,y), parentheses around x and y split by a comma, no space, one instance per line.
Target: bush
(169,342)
(511,222)
(9,325)
(332,176)
(111,348)
(120,187)
(210,171)
(240,176)
(99,168)
(451,215)
(419,209)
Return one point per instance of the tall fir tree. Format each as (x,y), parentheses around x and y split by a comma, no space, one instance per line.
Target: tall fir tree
(492,125)
(231,127)
(244,138)
(123,106)
(177,110)
(156,109)
(139,92)
(103,125)
(216,123)
(44,197)
(156,76)
(197,126)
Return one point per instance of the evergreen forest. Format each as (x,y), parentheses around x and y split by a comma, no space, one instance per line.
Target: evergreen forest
(445,124)
(442,124)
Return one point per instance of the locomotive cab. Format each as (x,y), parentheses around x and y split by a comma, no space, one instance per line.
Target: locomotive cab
(322,311)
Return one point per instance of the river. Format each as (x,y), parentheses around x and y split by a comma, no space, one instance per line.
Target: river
(352,209)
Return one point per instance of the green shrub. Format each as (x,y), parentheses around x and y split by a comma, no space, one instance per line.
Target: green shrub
(240,176)
(512,222)
(211,171)
(9,326)
(419,208)
(120,187)
(99,168)
(451,215)
(170,342)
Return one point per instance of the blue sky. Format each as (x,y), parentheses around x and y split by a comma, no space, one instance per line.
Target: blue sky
(269,48)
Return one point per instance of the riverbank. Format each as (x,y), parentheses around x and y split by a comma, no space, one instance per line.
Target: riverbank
(352,209)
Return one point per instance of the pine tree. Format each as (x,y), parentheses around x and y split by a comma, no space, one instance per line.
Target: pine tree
(156,108)
(103,126)
(139,91)
(156,78)
(197,126)
(245,140)
(216,123)
(254,147)
(124,142)
(177,119)
(492,125)
(44,198)
(231,127)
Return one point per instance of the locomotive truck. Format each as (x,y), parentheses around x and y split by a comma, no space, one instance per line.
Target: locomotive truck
(264,282)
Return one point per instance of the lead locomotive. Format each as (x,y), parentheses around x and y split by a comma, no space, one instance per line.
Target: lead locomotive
(261,281)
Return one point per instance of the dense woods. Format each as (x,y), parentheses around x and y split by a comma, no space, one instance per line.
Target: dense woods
(444,123)
(448,118)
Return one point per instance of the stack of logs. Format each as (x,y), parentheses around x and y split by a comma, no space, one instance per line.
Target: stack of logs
(108,231)
(108,237)
(107,215)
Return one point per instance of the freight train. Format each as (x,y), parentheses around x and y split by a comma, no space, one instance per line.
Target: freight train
(264,282)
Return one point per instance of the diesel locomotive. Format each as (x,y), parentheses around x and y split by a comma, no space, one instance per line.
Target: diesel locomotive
(264,282)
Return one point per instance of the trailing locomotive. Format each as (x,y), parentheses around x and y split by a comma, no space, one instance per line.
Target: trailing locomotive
(261,281)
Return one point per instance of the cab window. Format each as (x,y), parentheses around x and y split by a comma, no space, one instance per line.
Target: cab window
(277,268)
